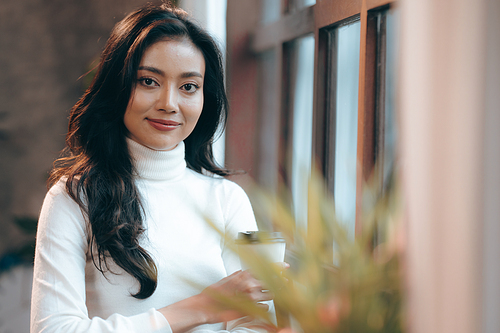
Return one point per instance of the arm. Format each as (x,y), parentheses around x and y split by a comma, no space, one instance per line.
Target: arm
(239,217)
(58,298)
(202,308)
(205,309)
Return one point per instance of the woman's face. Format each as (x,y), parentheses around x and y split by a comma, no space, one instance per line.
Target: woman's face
(168,97)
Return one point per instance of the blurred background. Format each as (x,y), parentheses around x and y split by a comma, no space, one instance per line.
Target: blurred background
(46,48)
(338,85)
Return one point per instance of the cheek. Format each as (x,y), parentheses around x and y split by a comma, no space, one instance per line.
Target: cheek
(194,108)
(128,120)
(133,111)
(138,103)
(129,115)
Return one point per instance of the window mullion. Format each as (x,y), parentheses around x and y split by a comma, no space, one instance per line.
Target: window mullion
(362,162)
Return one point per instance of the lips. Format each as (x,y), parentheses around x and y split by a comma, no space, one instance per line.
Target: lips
(163,125)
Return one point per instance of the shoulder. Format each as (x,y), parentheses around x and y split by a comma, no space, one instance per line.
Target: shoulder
(59,204)
(61,219)
(58,192)
(220,186)
(227,199)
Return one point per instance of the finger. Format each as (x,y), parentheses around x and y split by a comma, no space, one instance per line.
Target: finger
(263,306)
(266,295)
(251,286)
(282,266)
(248,283)
(261,296)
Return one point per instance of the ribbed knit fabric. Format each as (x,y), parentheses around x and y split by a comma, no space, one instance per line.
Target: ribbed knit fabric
(156,164)
(71,295)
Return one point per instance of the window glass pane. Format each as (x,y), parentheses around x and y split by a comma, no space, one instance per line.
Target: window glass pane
(216,26)
(270,10)
(269,117)
(386,127)
(390,129)
(305,3)
(302,126)
(346,129)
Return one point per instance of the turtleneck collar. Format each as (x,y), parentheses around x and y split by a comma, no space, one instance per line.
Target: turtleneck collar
(157,164)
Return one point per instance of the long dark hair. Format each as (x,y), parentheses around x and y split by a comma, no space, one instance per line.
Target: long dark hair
(97,164)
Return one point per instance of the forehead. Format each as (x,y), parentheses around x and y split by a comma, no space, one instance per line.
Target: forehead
(174,54)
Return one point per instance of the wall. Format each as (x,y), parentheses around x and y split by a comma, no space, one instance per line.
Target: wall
(45,47)
(450,120)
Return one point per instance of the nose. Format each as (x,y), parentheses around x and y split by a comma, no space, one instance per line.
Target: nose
(167,100)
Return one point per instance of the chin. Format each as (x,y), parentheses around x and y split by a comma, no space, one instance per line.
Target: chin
(159,144)
(163,147)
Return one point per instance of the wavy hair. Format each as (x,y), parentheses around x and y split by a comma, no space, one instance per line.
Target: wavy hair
(97,165)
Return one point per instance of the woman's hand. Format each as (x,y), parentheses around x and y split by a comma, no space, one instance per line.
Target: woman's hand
(211,306)
(236,288)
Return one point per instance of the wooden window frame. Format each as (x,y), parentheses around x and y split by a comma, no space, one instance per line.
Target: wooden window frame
(292,24)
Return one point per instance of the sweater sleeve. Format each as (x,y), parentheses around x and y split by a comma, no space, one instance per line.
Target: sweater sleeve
(239,217)
(58,297)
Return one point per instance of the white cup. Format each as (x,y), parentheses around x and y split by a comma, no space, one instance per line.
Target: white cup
(263,245)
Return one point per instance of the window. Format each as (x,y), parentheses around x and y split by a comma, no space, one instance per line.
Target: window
(341,137)
(323,93)
(301,71)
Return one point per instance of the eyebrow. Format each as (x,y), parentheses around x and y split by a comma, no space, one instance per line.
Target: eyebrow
(152,69)
(160,72)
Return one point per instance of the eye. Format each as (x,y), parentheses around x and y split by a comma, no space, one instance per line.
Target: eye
(148,82)
(190,87)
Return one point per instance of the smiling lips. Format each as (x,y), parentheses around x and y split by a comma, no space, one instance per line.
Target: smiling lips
(163,125)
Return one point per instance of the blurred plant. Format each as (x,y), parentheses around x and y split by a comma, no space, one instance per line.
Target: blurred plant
(337,282)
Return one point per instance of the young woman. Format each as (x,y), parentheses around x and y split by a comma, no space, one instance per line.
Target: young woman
(123,244)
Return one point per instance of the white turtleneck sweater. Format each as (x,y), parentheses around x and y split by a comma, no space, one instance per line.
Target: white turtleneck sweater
(71,295)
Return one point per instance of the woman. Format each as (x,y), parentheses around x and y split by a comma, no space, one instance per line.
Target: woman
(123,244)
